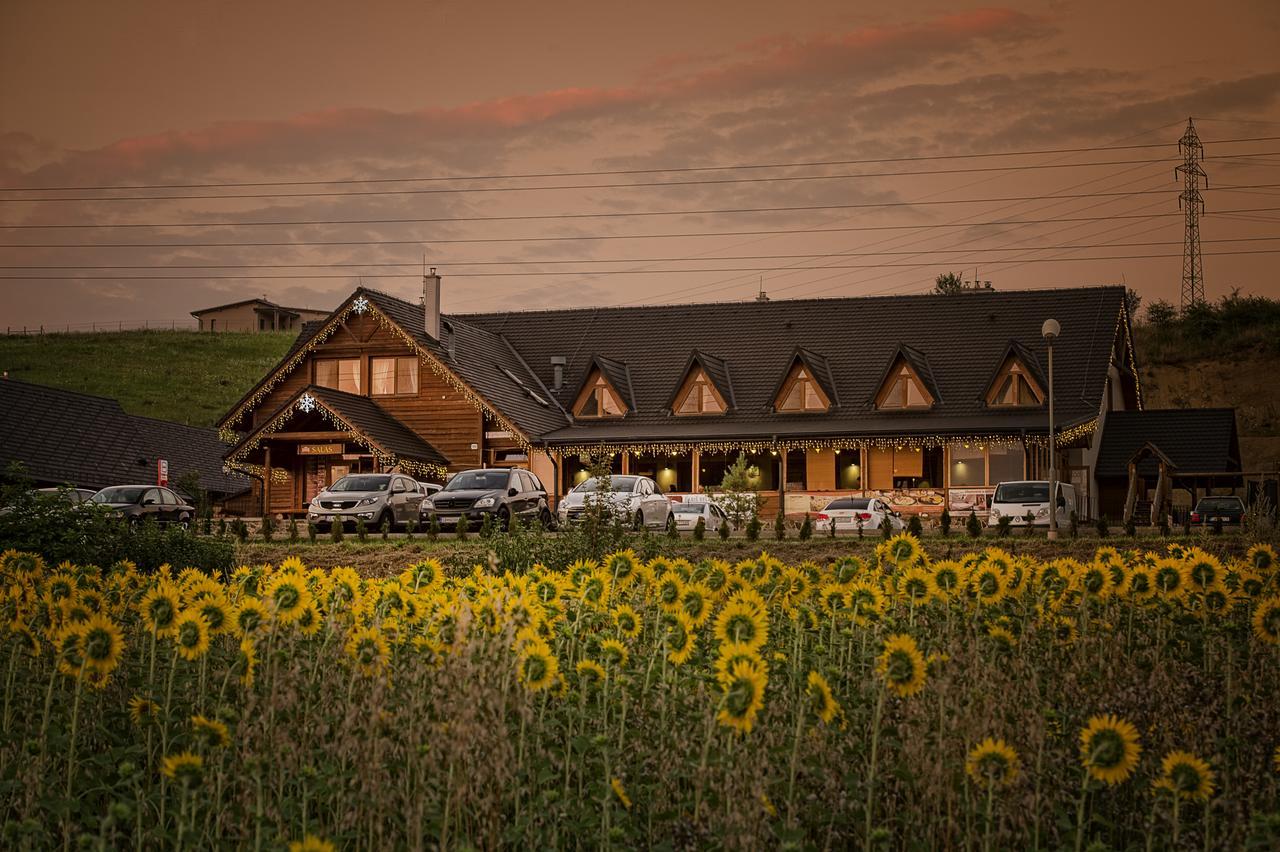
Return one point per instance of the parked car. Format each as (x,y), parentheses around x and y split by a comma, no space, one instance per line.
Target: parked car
(501,492)
(1210,510)
(75,495)
(687,514)
(375,498)
(847,512)
(635,499)
(137,503)
(1015,499)
(430,489)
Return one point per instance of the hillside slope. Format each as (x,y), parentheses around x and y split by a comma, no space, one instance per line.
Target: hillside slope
(181,376)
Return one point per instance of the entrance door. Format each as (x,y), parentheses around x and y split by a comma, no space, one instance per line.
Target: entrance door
(337,471)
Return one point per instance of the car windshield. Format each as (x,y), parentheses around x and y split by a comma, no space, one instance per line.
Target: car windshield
(1219,504)
(360,482)
(478,480)
(1022,492)
(688,508)
(120,494)
(617,484)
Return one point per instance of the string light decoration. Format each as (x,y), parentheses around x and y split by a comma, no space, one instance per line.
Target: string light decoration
(279,476)
(1125,322)
(227,428)
(382,457)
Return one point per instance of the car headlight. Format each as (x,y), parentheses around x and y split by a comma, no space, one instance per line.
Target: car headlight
(995,513)
(1042,512)
(483,503)
(368,501)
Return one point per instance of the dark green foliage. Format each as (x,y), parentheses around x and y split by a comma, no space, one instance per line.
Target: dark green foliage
(362,530)
(915,527)
(1186,523)
(335,531)
(293,530)
(486,525)
(1073,525)
(222,527)
(700,529)
(780,526)
(312,532)
(886,529)
(1103,527)
(1003,524)
(410,527)
(461,529)
(1233,324)
(806,528)
(385,528)
(1216,528)
(973,526)
(1131,527)
(753,528)
(1164,525)
(723,530)
(672,531)
(268,528)
(240,530)
(944,522)
(1030,520)
(433,527)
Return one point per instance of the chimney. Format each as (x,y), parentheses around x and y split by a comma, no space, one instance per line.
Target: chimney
(557,372)
(431,303)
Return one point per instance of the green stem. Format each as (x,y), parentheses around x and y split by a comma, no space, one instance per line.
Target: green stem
(1084,794)
(871,770)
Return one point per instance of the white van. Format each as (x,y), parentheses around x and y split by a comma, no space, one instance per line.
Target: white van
(1016,499)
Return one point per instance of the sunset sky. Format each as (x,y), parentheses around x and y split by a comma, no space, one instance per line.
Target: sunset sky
(284,95)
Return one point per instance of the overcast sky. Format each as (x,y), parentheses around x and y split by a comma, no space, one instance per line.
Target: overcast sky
(137,93)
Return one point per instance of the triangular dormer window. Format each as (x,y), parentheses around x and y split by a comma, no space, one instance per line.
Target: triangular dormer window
(1014,386)
(801,392)
(598,398)
(698,395)
(903,389)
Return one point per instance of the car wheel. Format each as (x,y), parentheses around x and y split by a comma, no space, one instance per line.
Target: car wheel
(184,522)
(504,519)
(545,520)
(637,523)
(134,523)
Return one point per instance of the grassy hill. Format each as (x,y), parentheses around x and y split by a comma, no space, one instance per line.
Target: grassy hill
(181,376)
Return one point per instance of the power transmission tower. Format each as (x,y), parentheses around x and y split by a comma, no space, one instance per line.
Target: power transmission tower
(1192,204)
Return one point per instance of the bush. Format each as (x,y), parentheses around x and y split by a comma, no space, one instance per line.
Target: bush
(268,528)
(723,531)
(410,527)
(385,528)
(362,530)
(672,532)
(753,528)
(293,530)
(915,527)
(973,526)
(240,530)
(1073,525)
(944,522)
(486,525)
(222,527)
(1131,527)
(433,527)
(1030,520)
(886,529)
(461,529)
(335,532)
(806,528)
(780,526)
(1217,526)
(1103,528)
(312,532)
(1186,523)
(1003,524)
(700,529)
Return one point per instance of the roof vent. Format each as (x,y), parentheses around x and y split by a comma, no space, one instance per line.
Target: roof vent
(557,371)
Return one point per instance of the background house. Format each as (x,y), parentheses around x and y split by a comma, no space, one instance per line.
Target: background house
(255,315)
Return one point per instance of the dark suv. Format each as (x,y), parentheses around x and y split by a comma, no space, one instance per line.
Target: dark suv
(136,503)
(498,491)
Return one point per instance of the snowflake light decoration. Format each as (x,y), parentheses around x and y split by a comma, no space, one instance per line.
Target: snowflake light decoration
(307,403)
(360,305)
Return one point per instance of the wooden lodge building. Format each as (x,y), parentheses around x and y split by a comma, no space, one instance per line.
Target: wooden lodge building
(927,400)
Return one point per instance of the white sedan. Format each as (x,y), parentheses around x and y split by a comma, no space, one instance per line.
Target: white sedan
(846,513)
(687,515)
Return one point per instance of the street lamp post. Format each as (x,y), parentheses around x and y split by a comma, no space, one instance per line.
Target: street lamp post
(1051,330)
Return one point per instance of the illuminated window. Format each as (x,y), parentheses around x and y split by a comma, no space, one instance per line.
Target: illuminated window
(699,396)
(599,399)
(392,376)
(801,392)
(903,390)
(1014,386)
(339,373)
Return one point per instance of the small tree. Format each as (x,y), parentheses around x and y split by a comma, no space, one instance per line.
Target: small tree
(1217,526)
(780,526)
(410,526)
(886,529)
(700,529)
(862,525)
(335,531)
(268,528)
(462,528)
(723,531)
(486,525)
(915,527)
(293,530)
(240,530)
(1103,528)
(1131,527)
(222,527)
(1030,520)
(973,526)
(311,532)
(1073,525)
(362,530)
(673,532)
(1186,523)
(385,528)
(806,528)
(944,522)
(1164,525)
(433,527)
(1003,523)
(737,493)
(753,527)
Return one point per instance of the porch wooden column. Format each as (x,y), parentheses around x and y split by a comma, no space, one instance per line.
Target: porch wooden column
(1162,487)
(782,481)
(266,481)
(626,463)
(1131,499)
(695,471)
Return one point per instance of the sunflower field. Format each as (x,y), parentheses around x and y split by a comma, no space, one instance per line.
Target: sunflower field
(990,701)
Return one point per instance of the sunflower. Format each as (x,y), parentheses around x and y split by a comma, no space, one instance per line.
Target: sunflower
(741,622)
(1171,578)
(185,768)
(867,601)
(68,646)
(311,843)
(620,791)
(159,609)
(1004,640)
(901,665)
(246,662)
(287,596)
(367,648)
(1186,776)
(993,762)
(249,617)
(621,566)
(679,637)
(915,584)
(903,549)
(1205,572)
(627,620)
(743,696)
(538,667)
(143,711)
(821,701)
(210,732)
(732,653)
(1266,620)
(423,576)
(697,602)
(946,577)
(191,634)
(102,644)
(1262,557)
(1109,748)
(216,612)
(670,591)
(310,622)
(1139,582)
(1096,581)
(988,583)
(590,673)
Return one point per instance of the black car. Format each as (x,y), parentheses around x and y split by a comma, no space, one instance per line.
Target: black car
(136,503)
(501,492)
(1211,510)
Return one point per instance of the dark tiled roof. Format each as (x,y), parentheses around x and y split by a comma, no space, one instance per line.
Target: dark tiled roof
(959,340)
(1195,440)
(89,441)
(378,426)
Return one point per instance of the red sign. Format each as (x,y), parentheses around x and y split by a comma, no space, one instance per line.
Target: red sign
(162,472)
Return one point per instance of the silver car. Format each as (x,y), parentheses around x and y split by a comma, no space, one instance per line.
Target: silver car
(636,500)
(713,517)
(375,498)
